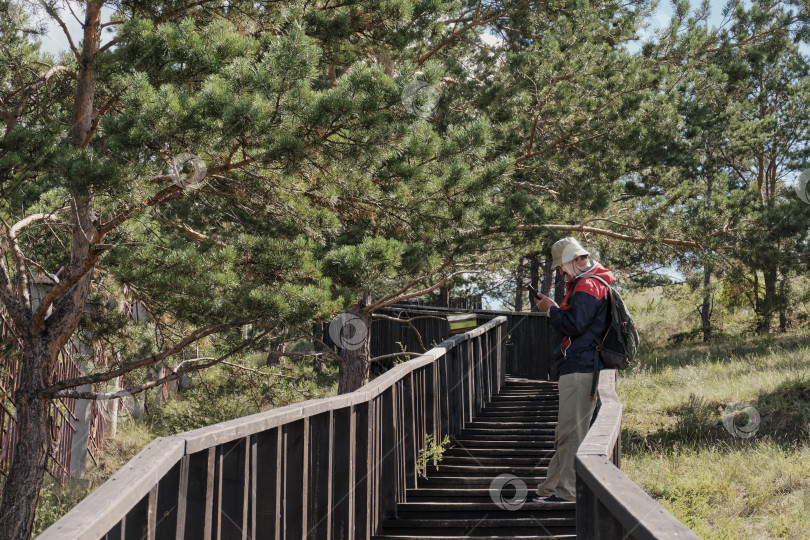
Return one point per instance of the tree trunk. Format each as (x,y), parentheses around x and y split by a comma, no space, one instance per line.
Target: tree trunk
(21,492)
(519,291)
(444,296)
(534,275)
(783,304)
(559,287)
(548,277)
(355,351)
(706,308)
(765,315)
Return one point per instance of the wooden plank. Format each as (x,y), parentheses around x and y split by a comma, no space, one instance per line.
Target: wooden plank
(343,474)
(151,513)
(409,431)
(389,423)
(266,477)
(319,485)
(245,465)
(210,496)
(218,481)
(196,496)
(103,509)
(478,381)
(293,467)
(253,489)
(362,472)
(182,499)
(136,524)
(443,394)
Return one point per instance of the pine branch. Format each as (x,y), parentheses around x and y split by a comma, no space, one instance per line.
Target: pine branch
(392,355)
(150,360)
(52,12)
(14,117)
(406,321)
(393,300)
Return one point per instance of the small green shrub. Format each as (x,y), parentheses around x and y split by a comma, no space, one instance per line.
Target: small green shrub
(431,453)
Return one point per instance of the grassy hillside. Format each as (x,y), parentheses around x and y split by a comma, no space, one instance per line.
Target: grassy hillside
(675,443)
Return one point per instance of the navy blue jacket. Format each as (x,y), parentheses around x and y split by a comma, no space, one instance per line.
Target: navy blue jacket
(586,305)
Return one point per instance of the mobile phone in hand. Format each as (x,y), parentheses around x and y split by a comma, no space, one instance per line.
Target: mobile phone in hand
(535,294)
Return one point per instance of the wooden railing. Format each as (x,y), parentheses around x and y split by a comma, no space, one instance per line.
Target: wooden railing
(326,468)
(610,505)
(334,467)
(528,346)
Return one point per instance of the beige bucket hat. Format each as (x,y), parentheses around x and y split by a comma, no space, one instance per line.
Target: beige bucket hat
(566,250)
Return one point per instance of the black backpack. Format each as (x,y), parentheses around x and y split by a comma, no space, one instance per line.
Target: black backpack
(619,344)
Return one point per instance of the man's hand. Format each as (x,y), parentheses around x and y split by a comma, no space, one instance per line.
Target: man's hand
(543,302)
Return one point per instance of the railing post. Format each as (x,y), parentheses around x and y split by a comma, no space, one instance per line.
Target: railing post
(410,431)
(362,471)
(319,485)
(389,453)
(343,466)
(293,468)
(478,372)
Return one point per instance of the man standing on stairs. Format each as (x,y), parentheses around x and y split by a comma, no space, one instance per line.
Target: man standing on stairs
(585,307)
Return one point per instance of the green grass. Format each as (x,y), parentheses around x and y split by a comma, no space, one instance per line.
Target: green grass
(675,444)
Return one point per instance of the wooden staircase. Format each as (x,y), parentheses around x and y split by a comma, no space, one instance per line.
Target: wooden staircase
(513,435)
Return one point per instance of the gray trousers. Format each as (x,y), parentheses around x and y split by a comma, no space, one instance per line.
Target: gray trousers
(573,419)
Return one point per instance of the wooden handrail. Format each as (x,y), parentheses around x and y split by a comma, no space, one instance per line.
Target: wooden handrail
(610,505)
(334,467)
(155,485)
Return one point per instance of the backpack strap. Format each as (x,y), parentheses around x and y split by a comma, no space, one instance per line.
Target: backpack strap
(609,311)
(595,381)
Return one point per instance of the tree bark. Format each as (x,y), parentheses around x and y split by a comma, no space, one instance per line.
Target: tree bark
(706,308)
(519,290)
(548,276)
(559,287)
(21,492)
(355,353)
(766,311)
(534,276)
(783,304)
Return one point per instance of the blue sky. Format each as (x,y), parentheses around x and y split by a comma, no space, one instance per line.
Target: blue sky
(55,40)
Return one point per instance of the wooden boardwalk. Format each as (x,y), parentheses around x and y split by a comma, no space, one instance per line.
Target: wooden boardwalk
(479,488)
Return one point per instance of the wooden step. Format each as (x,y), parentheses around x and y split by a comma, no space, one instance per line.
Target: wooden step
(393,536)
(511,434)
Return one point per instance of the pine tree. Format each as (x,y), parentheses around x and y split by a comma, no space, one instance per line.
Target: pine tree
(228,165)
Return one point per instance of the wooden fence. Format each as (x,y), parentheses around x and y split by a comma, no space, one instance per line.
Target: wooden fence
(328,468)
(528,347)
(62,411)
